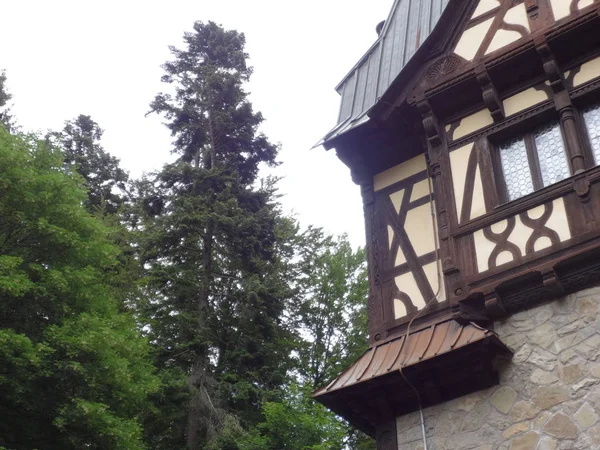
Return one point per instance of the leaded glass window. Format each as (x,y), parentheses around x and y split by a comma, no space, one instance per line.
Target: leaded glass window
(533,161)
(515,167)
(550,147)
(591,117)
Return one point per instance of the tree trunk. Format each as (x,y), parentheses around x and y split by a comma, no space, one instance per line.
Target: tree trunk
(199,368)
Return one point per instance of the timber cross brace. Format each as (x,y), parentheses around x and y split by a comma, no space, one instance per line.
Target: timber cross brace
(478,157)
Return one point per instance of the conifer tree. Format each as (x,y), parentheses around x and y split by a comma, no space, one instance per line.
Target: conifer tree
(79,141)
(212,240)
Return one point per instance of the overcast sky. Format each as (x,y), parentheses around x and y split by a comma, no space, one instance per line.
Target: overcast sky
(102,58)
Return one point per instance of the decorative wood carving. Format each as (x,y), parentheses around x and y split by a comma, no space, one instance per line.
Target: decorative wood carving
(430,123)
(581,186)
(490,94)
(552,283)
(374,310)
(442,67)
(531,6)
(494,306)
(553,71)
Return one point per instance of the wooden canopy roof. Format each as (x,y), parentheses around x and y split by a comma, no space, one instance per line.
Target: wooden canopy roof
(422,358)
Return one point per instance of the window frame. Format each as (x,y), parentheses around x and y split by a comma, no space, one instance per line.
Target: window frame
(532,158)
(588,152)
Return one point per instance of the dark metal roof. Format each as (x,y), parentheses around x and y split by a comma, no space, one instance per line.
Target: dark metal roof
(410,22)
(420,346)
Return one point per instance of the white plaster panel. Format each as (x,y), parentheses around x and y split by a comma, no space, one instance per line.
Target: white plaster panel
(396,199)
(501,39)
(406,283)
(471,40)
(520,235)
(504,257)
(472,123)
(459,160)
(437,284)
(399,309)
(400,172)
(400,258)
(420,190)
(558,221)
(523,100)
(483,250)
(588,71)
(478,201)
(419,228)
(584,3)
(485,6)
(542,243)
(536,212)
(499,227)
(390,236)
(560,8)
(517,16)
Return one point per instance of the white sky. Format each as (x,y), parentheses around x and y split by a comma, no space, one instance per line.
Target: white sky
(102,58)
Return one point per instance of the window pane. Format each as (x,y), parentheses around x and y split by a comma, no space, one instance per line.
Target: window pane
(551,154)
(591,116)
(515,168)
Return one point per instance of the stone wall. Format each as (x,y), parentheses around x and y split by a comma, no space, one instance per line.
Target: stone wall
(549,392)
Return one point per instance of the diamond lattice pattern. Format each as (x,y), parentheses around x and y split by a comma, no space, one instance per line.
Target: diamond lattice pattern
(515,167)
(552,157)
(591,116)
(551,154)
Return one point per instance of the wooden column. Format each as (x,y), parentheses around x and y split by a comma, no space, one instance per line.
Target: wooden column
(375,307)
(562,102)
(442,188)
(571,130)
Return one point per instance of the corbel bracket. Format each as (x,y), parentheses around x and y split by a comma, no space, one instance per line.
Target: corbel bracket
(552,283)
(430,123)
(494,306)
(581,186)
(490,94)
(551,67)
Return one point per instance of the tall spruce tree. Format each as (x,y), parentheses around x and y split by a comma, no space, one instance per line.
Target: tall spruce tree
(105,180)
(216,272)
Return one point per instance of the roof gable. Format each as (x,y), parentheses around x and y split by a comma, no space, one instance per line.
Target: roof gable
(408,25)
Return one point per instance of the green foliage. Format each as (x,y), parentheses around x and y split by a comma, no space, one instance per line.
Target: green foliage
(104,179)
(332,315)
(6,117)
(215,270)
(299,423)
(246,315)
(74,372)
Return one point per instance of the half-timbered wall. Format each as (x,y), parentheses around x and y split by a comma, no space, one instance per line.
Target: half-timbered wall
(492,234)
(498,23)
(409,259)
(487,232)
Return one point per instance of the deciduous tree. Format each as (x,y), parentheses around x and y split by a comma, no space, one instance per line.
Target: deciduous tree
(74,371)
